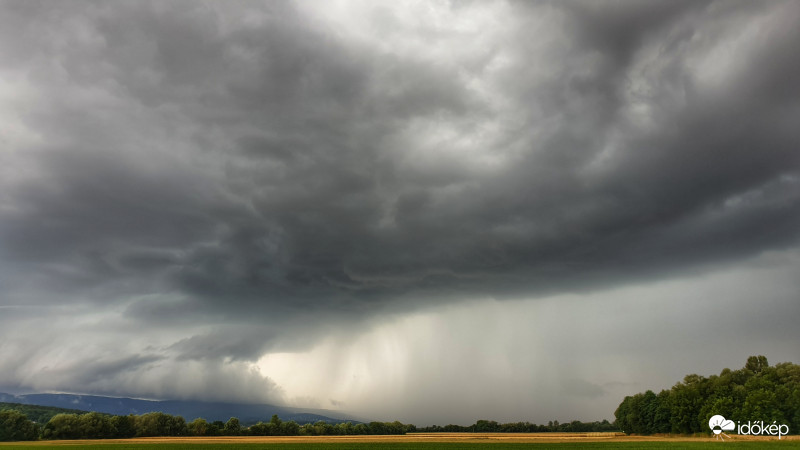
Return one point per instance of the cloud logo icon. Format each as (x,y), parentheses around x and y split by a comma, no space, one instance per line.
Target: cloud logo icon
(718,424)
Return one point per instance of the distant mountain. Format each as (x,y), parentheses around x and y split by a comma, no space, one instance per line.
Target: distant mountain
(189,410)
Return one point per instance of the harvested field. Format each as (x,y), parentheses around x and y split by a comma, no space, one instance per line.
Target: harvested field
(424,441)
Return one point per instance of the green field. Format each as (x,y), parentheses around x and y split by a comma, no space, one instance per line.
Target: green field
(424,446)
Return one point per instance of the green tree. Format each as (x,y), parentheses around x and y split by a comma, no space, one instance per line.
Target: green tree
(94,425)
(198,427)
(763,405)
(483,426)
(232,427)
(216,427)
(160,424)
(124,426)
(622,415)
(320,428)
(275,420)
(263,429)
(63,426)
(686,401)
(290,428)
(661,419)
(15,426)
(756,364)
(344,428)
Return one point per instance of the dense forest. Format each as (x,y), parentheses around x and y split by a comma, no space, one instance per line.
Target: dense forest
(757,392)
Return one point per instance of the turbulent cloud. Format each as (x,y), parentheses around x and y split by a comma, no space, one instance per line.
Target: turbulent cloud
(235,179)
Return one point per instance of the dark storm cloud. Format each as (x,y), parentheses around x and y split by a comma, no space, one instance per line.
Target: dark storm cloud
(102,370)
(256,167)
(617,29)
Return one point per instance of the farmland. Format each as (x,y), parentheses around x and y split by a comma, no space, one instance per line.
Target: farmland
(421,441)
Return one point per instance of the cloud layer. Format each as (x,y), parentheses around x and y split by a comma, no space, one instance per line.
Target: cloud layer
(199,184)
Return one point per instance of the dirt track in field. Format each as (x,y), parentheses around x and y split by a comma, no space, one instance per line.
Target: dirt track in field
(412,437)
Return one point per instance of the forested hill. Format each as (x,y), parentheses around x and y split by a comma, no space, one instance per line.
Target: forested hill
(37,413)
(758,392)
(248,413)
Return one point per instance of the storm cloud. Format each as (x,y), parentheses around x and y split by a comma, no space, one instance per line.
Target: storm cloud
(189,187)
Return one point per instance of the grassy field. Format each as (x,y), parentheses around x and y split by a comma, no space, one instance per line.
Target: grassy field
(420,441)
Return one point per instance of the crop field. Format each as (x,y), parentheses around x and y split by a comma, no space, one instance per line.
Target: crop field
(424,441)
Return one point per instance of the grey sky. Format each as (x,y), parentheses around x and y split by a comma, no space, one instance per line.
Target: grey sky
(198,198)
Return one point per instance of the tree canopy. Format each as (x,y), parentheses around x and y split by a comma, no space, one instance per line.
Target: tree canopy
(758,391)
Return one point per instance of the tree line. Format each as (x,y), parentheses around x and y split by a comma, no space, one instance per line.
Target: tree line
(15,426)
(490,426)
(757,392)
